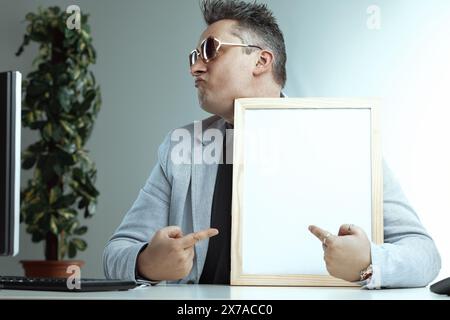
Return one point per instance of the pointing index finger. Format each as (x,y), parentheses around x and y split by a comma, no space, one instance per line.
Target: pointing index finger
(192,238)
(319,233)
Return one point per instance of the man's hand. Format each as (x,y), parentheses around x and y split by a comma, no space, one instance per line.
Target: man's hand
(170,255)
(347,253)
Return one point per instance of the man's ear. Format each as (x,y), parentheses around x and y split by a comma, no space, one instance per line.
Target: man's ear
(264,63)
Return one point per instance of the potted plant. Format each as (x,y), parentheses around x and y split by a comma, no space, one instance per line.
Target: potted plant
(61,101)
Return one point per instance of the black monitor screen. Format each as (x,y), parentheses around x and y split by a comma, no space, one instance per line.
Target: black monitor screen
(10,95)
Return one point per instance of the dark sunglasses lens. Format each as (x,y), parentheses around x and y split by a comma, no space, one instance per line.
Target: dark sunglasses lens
(192,58)
(209,49)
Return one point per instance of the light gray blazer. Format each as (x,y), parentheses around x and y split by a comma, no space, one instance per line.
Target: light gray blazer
(181,194)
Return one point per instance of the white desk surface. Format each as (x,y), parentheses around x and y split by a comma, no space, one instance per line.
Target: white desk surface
(222,292)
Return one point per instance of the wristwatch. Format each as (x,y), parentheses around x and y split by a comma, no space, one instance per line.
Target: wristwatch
(366,273)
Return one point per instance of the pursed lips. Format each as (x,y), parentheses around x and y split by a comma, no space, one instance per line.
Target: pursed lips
(198,81)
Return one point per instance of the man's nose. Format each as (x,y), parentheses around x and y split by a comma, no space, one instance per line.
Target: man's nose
(198,67)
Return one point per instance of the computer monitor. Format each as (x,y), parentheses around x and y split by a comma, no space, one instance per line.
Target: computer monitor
(10,127)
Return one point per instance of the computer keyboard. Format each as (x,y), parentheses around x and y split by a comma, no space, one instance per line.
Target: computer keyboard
(60,284)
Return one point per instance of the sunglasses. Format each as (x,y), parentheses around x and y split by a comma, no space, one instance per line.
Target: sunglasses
(209,49)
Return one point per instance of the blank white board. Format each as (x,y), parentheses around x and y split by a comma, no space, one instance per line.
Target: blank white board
(299,162)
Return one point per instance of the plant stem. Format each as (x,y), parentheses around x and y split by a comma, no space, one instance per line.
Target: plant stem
(51,246)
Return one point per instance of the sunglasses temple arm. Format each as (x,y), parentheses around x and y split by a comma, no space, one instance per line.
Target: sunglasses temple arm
(235,44)
(238,45)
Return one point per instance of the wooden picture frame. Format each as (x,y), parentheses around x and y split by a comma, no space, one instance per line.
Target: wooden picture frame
(296,162)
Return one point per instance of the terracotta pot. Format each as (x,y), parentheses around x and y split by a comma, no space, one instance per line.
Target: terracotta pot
(49,269)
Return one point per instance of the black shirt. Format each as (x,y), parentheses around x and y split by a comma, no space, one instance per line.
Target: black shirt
(218,262)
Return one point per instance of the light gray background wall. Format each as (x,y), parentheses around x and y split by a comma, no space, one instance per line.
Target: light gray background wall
(142,68)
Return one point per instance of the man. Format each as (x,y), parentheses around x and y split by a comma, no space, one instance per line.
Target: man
(165,235)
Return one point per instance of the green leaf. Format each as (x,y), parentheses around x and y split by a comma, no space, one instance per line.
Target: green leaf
(86,163)
(89,97)
(53,225)
(64,98)
(37,237)
(62,249)
(69,147)
(92,207)
(58,133)
(34,208)
(72,226)
(67,213)
(36,89)
(80,244)
(36,147)
(78,175)
(87,214)
(25,42)
(37,125)
(38,217)
(81,230)
(63,80)
(72,250)
(55,193)
(30,16)
(55,10)
(78,142)
(65,201)
(91,189)
(29,160)
(37,175)
(64,157)
(83,203)
(58,169)
(76,73)
(28,118)
(45,165)
(98,102)
(67,127)
(48,131)
(81,192)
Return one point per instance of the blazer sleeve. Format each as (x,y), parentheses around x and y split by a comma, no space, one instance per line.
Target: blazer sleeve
(408,257)
(148,214)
